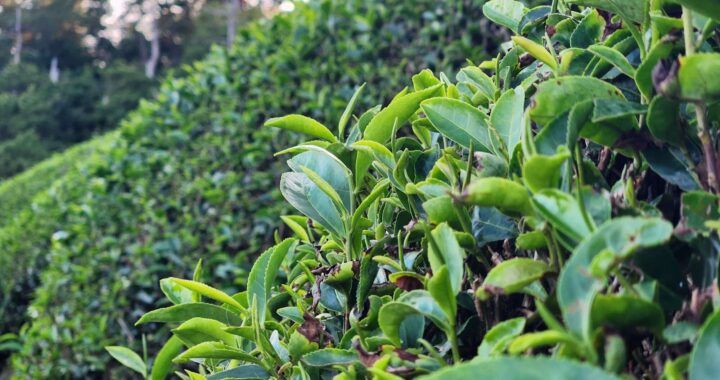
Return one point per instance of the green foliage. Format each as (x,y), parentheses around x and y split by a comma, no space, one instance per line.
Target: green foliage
(191,176)
(41,117)
(17,193)
(426,278)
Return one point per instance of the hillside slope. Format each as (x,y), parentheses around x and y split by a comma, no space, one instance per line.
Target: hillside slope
(191,175)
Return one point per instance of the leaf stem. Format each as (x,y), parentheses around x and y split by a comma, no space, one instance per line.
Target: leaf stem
(452,336)
(468,169)
(701,109)
(707,144)
(552,249)
(689,32)
(561,261)
(581,201)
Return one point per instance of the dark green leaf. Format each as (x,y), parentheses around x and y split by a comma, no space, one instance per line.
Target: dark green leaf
(243,372)
(663,121)
(589,31)
(490,225)
(670,168)
(624,312)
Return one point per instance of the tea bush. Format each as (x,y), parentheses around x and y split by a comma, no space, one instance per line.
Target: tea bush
(550,213)
(190,176)
(17,192)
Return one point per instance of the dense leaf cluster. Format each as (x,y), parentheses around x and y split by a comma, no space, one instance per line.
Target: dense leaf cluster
(550,213)
(189,176)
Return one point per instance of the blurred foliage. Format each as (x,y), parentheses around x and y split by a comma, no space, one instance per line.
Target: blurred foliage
(40,117)
(100,80)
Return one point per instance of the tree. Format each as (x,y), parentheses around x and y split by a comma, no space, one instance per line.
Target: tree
(234,7)
(17,49)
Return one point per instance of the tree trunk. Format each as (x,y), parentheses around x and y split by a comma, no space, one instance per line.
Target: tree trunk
(151,64)
(233,9)
(17,48)
(54,70)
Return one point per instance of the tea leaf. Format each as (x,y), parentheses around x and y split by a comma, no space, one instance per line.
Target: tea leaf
(347,113)
(215,350)
(496,340)
(505,195)
(440,287)
(296,227)
(328,167)
(542,172)
(539,339)
(662,120)
(162,365)
(536,50)
(536,368)
(507,117)
(248,371)
(183,312)
(262,275)
(622,236)
(589,31)
(613,57)
(380,127)
(198,330)
(330,356)
(416,302)
(459,121)
(624,312)
(707,8)
(447,254)
(511,276)
(703,360)
(693,77)
(208,291)
(302,124)
(307,198)
(507,13)
(128,358)
(562,210)
(557,96)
